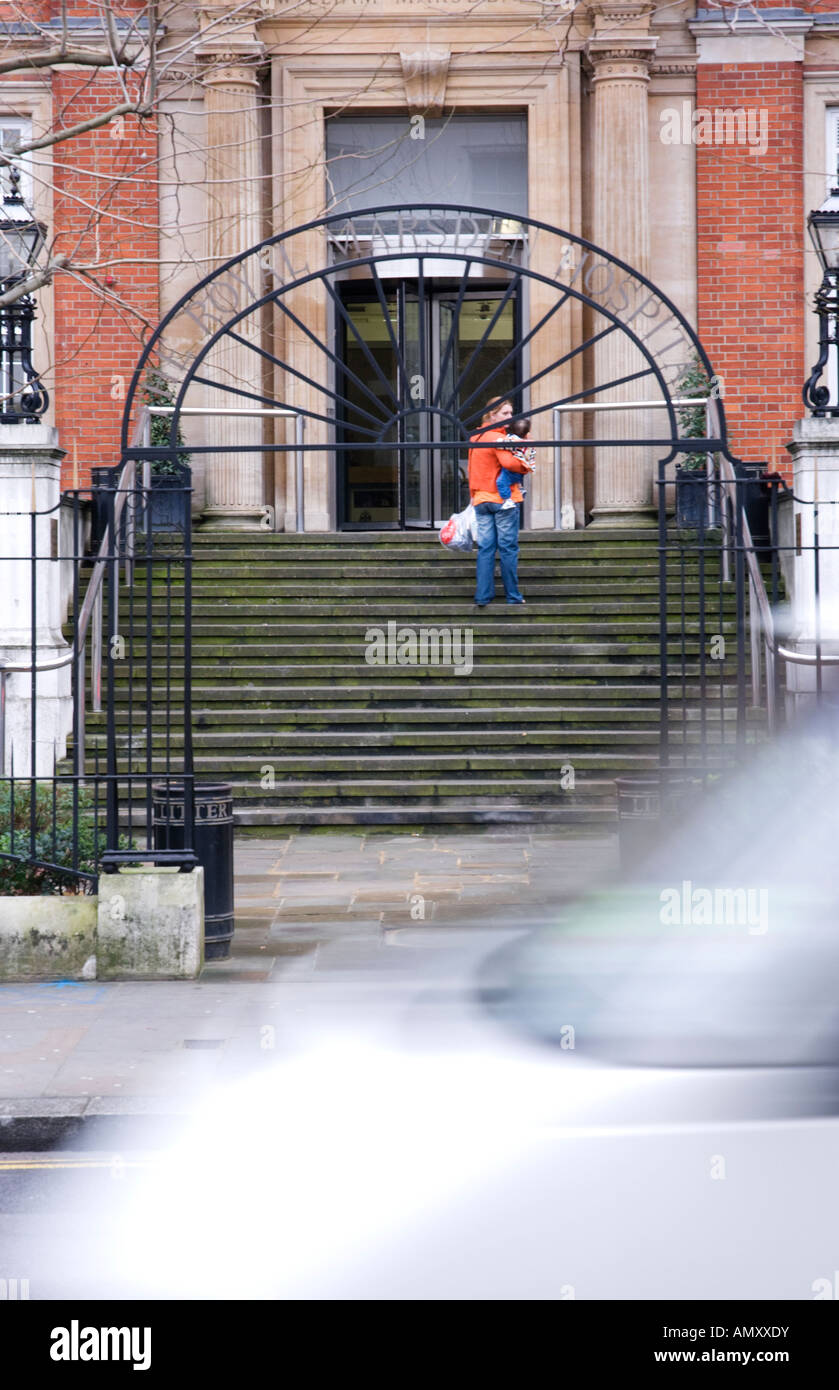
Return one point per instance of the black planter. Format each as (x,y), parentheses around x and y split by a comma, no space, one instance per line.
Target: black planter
(756,498)
(169,500)
(101,479)
(691,498)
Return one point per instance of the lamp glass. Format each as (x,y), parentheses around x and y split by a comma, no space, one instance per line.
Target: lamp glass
(824,231)
(20,241)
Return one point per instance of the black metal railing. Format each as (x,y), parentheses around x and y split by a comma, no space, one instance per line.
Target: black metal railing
(739,616)
(92,735)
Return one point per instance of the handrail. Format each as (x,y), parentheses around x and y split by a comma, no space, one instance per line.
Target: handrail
(254,413)
(761,619)
(567,407)
(804,659)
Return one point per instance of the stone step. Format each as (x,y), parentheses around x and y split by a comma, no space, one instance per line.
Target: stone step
(591,791)
(401,586)
(245,717)
(410,766)
(513,673)
(281,678)
(600,640)
(446,569)
(398,540)
(438,560)
(275,620)
(411,606)
(407,814)
(467,736)
(441,566)
(404,816)
(278,694)
(416,755)
(352,654)
(576,614)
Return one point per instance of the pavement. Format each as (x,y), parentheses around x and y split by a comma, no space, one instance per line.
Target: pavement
(335,1111)
(332,931)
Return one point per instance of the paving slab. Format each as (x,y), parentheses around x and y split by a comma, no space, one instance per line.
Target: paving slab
(326,932)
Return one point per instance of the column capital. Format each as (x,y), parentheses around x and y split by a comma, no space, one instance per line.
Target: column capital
(229,70)
(230,50)
(621,48)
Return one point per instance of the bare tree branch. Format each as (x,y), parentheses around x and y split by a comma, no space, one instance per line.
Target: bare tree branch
(55,57)
(125,108)
(33,282)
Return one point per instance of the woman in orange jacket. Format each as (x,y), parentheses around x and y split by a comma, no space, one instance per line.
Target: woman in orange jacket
(498,527)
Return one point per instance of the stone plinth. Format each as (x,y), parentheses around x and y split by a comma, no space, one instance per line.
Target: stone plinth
(815,452)
(48,938)
(30,476)
(150,925)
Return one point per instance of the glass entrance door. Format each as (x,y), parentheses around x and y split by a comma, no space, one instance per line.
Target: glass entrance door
(417,365)
(475,338)
(416,475)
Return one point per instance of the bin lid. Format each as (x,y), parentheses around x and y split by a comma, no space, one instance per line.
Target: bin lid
(202,791)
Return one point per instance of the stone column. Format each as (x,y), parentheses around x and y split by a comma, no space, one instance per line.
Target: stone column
(30,474)
(235,488)
(619,54)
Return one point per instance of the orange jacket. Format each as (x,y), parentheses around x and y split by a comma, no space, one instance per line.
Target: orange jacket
(485,464)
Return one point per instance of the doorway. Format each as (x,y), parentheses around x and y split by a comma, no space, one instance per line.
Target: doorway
(417,360)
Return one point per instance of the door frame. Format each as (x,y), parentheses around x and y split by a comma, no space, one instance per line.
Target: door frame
(434,291)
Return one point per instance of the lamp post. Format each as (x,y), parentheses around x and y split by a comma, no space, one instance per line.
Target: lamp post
(22,397)
(823,225)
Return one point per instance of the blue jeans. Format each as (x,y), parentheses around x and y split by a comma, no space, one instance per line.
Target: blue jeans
(498,530)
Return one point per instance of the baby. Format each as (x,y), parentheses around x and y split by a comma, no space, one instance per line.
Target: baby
(518,431)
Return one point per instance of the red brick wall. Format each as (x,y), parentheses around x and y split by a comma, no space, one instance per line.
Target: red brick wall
(750,257)
(105,209)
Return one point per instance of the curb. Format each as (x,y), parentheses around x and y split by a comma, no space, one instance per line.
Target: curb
(94,1124)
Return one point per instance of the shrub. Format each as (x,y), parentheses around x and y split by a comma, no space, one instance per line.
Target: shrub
(694,381)
(53,843)
(157,391)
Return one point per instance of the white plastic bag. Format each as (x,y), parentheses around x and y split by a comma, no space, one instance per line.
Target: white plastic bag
(460,532)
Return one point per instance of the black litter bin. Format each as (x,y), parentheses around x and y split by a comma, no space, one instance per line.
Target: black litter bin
(648,810)
(638,817)
(213,849)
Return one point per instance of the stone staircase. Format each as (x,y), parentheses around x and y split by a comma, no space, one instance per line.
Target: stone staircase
(293,705)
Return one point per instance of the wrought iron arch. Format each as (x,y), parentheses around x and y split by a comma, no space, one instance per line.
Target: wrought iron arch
(559,363)
(275,308)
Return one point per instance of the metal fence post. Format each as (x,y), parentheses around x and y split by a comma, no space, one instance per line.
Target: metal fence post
(557,424)
(299,427)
